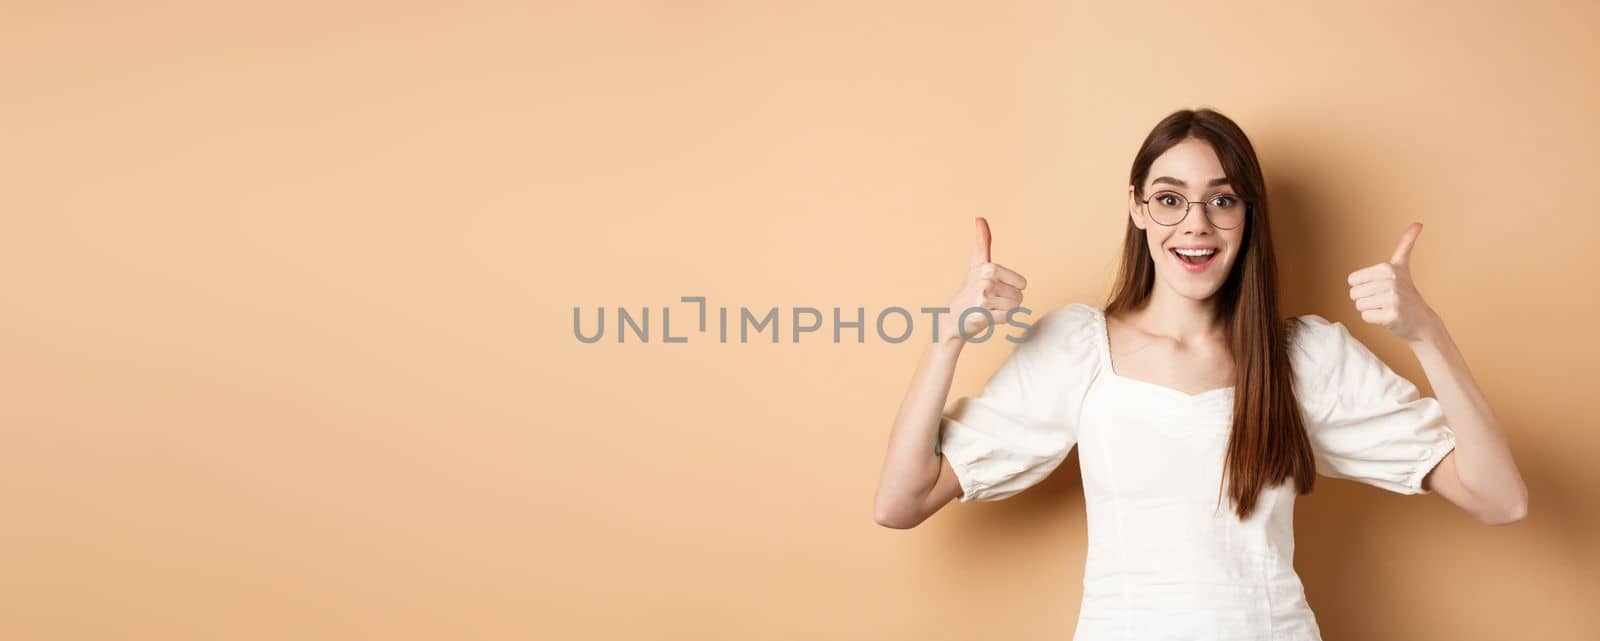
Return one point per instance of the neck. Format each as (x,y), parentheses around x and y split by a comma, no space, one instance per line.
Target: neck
(1182,319)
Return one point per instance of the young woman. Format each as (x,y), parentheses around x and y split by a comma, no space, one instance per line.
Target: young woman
(1199,412)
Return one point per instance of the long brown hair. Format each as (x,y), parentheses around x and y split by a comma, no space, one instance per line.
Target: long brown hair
(1268,443)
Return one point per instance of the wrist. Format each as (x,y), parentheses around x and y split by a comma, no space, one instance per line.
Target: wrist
(950,341)
(1431,332)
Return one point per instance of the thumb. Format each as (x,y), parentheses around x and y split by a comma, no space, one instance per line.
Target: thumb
(980,252)
(1402,254)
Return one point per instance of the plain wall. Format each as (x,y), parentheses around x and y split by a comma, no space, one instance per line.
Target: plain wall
(288,291)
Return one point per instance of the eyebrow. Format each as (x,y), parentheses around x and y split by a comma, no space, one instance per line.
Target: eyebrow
(1174,181)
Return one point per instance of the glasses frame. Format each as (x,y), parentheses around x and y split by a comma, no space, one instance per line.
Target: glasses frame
(1190,203)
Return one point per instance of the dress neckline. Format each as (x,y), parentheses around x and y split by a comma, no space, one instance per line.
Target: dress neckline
(1111,370)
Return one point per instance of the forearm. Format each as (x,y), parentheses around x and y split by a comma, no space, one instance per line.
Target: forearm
(910,467)
(1483,460)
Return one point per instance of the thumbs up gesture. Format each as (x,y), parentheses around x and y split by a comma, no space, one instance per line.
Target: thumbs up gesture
(988,286)
(1386,296)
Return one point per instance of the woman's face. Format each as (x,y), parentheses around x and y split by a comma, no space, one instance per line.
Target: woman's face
(1191,170)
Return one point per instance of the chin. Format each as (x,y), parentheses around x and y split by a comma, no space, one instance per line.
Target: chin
(1188,286)
(1198,293)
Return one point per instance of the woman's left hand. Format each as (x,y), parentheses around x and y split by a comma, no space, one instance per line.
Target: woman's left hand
(1386,296)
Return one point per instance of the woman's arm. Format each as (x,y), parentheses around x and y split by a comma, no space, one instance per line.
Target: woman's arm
(1480,476)
(916,482)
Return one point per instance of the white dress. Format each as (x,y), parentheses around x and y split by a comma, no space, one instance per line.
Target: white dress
(1167,557)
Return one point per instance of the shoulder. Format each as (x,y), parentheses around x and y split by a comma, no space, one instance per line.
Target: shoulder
(1313,340)
(1067,334)
(1328,360)
(1313,343)
(1070,323)
(1069,320)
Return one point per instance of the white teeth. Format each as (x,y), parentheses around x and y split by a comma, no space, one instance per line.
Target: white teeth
(1196,252)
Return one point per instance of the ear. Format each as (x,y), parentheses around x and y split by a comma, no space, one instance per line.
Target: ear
(1135,209)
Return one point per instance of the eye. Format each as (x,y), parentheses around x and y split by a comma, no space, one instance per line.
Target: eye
(1225,201)
(1168,199)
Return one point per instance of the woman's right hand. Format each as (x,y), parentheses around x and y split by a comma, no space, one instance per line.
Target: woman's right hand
(988,286)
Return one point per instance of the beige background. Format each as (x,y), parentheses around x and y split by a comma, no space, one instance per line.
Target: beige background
(288,289)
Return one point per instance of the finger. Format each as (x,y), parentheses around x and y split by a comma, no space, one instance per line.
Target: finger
(1370,288)
(1368,274)
(1377,316)
(1003,290)
(980,252)
(1002,314)
(1402,254)
(1004,275)
(998,306)
(1381,301)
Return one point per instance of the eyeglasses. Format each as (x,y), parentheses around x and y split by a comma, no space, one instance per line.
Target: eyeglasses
(1225,211)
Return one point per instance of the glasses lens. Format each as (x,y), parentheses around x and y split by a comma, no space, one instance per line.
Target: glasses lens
(1226,211)
(1168,207)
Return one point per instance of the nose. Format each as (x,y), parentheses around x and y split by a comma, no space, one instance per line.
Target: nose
(1196,221)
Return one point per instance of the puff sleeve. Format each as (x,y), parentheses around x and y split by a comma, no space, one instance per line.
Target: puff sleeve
(1365,422)
(1024,423)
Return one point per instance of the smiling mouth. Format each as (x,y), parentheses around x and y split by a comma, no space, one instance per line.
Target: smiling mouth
(1195,260)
